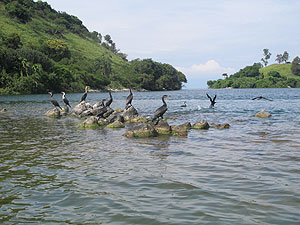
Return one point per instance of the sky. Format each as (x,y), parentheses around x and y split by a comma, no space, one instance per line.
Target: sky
(201,38)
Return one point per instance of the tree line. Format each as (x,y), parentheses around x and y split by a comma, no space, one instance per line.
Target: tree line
(47,61)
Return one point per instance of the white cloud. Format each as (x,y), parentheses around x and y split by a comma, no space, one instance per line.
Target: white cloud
(209,69)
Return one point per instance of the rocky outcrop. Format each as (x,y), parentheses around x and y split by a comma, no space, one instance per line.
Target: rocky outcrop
(83,109)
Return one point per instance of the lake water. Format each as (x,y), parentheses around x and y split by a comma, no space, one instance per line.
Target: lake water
(51,172)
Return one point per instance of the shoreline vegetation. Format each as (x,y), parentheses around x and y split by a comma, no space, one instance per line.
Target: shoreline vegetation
(43,50)
(279,75)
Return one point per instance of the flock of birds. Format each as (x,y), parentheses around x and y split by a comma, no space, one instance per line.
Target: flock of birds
(106,103)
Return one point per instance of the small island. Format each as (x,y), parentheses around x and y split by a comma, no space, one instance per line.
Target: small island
(286,75)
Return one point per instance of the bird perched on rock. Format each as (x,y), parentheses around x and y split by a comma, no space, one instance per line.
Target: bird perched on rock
(109,101)
(53,100)
(161,110)
(129,99)
(84,94)
(66,101)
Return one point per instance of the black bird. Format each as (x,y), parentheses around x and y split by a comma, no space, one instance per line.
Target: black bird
(109,101)
(64,98)
(161,110)
(84,94)
(53,101)
(212,101)
(129,99)
(261,97)
(184,104)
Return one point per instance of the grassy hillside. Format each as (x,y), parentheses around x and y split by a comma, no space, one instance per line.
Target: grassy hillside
(282,69)
(42,49)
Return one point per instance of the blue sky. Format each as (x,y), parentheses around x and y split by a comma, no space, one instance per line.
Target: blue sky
(201,38)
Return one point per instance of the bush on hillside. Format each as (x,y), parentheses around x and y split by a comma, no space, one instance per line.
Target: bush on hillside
(296,66)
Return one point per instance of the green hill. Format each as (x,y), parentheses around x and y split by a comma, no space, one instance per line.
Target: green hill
(282,69)
(42,49)
(256,76)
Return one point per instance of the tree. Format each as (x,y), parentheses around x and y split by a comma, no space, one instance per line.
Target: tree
(285,56)
(225,75)
(279,58)
(267,56)
(296,66)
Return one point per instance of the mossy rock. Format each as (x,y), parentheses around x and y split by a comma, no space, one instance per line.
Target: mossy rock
(181,130)
(91,122)
(163,128)
(89,126)
(141,131)
(203,124)
(116,124)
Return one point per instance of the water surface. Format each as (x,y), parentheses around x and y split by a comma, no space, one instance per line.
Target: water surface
(51,172)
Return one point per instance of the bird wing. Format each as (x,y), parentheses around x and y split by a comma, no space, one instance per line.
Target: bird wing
(209,97)
(215,98)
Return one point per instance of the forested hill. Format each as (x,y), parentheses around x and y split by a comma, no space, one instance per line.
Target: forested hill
(256,76)
(42,49)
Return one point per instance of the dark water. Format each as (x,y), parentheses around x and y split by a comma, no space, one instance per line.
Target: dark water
(51,172)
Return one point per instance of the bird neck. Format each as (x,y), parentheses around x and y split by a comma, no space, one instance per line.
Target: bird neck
(163,100)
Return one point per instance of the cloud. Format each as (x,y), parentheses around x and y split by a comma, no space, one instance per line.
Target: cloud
(198,74)
(208,69)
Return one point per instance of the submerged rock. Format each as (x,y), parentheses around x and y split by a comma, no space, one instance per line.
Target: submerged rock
(263,114)
(220,126)
(203,124)
(53,113)
(141,131)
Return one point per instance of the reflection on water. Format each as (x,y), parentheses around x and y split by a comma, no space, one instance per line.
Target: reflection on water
(52,172)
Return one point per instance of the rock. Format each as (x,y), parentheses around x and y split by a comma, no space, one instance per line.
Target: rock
(181,130)
(130,113)
(163,128)
(91,122)
(108,112)
(138,119)
(80,108)
(263,114)
(119,110)
(116,124)
(65,110)
(3,110)
(203,124)
(141,131)
(115,116)
(223,126)
(86,113)
(54,113)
